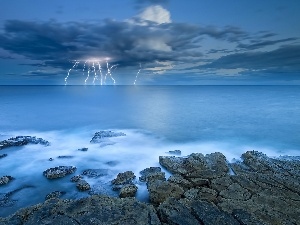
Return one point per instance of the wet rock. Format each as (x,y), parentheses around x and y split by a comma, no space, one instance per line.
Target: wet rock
(245,218)
(122,179)
(179,180)
(93,210)
(5,179)
(51,159)
(3,155)
(160,190)
(55,194)
(65,157)
(6,198)
(148,171)
(102,135)
(22,140)
(82,185)
(112,163)
(197,165)
(175,152)
(128,190)
(83,149)
(76,178)
(59,171)
(95,173)
(202,193)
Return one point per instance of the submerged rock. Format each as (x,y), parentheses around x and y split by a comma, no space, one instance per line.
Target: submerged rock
(76,178)
(65,157)
(55,194)
(175,152)
(5,179)
(95,173)
(22,140)
(59,171)
(93,210)
(82,185)
(128,190)
(102,135)
(83,149)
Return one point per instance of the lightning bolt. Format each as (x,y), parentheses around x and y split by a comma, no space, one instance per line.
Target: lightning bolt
(66,78)
(95,74)
(137,74)
(109,72)
(88,74)
(100,71)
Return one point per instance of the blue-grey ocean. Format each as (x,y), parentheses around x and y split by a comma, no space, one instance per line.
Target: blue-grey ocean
(156,119)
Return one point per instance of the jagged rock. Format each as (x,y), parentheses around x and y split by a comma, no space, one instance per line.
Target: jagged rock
(95,173)
(202,193)
(5,179)
(22,140)
(76,178)
(102,135)
(175,152)
(196,165)
(245,218)
(3,155)
(83,149)
(122,179)
(128,190)
(160,190)
(93,210)
(55,194)
(148,171)
(82,185)
(59,171)
(179,180)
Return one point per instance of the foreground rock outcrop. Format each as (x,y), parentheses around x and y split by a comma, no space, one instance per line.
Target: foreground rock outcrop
(59,171)
(203,189)
(22,140)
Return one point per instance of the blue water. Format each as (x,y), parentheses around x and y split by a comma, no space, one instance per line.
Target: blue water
(156,119)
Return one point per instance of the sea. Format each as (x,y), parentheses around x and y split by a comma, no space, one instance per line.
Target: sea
(155,119)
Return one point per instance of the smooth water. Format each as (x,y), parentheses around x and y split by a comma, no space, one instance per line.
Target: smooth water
(156,119)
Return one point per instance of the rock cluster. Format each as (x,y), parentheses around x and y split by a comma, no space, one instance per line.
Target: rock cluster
(124,183)
(102,135)
(59,171)
(22,140)
(54,194)
(5,179)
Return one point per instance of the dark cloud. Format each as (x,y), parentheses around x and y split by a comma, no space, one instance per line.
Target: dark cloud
(261,44)
(285,58)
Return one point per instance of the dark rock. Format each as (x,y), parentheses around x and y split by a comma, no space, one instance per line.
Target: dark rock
(209,214)
(51,159)
(175,152)
(59,171)
(95,173)
(83,149)
(93,210)
(82,185)
(197,165)
(112,163)
(202,193)
(5,179)
(55,194)
(245,218)
(175,213)
(179,180)
(22,140)
(76,178)
(146,172)
(6,198)
(65,157)
(102,135)
(128,190)
(122,179)
(160,190)
(3,155)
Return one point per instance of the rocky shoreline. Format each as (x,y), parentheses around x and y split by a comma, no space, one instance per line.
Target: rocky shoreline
(203,189)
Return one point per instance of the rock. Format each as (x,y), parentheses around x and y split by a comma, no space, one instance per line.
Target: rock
(128,190)
(51,159)
(179,180)
(83,149)
(245,218)
(175,152)
(112,163)
(3,155)
(6,198)
(82,185)
(59,171)
(5,179)
(76,178)
(22,140)
(197,165)
(65,157)
(160,190)
(55,194)
(146,172)
(102,135)
(92,210)
(202,193)
(95,173)
(122,179)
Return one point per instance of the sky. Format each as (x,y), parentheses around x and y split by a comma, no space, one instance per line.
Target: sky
(150,42)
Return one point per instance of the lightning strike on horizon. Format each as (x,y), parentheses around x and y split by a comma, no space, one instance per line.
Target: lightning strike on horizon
(109,72)
(66,78)
(95,73)
(101,75)
(87,76)
(137,74)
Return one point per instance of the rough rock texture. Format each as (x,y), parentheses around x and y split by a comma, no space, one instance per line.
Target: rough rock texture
(95,173)
(22,140)
(55,194)
(82,185)
(59,171)
(102,135)
(128,190)
(148,172)
(76,178)
(5,179)
(122,179)
(96,209)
